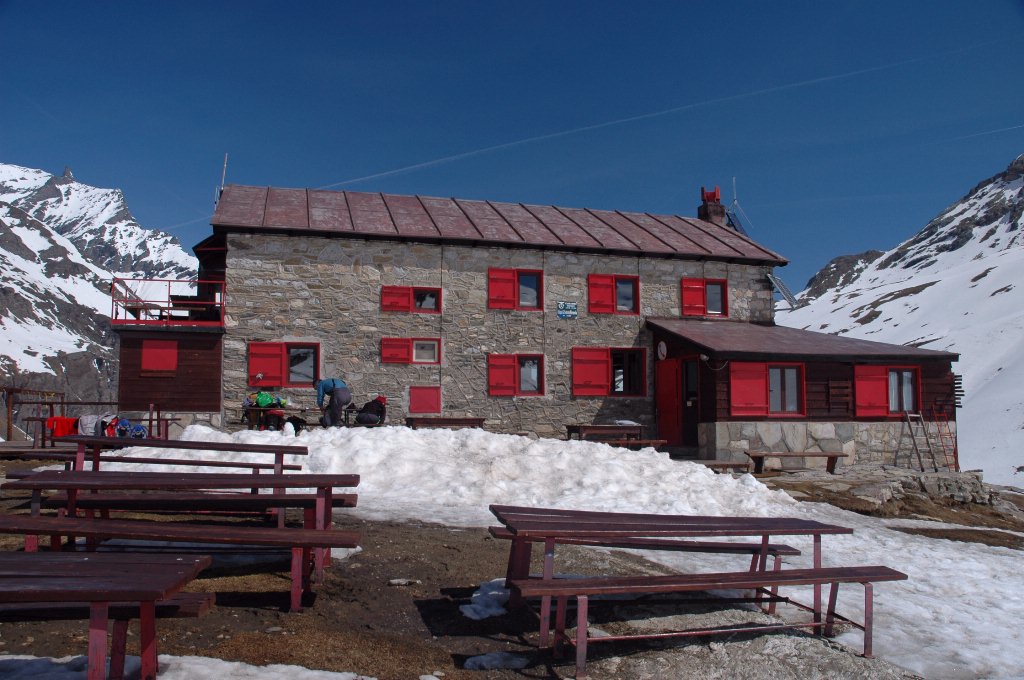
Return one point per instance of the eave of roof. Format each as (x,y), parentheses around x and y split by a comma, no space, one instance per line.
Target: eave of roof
(738,339)
(450,220)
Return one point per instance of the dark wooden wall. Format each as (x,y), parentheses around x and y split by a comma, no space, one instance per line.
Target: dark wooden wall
(194,386)
(829,391)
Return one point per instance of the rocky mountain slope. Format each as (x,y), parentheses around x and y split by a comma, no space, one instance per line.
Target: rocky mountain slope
(61,244)
(952,286)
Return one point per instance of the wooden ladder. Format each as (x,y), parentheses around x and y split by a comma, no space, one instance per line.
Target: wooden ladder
(919,439)
(947,439)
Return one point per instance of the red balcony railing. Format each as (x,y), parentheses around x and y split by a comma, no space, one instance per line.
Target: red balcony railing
(163,302)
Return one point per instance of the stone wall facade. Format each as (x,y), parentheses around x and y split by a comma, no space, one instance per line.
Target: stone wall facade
(863,442)
(327,291)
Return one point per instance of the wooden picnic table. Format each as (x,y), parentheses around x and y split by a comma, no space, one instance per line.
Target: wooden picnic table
(73,482)
(451,422)
(69,457)
(98,444)
(161,431)
(552,525)
(100,580)
(525,525)
(592,431)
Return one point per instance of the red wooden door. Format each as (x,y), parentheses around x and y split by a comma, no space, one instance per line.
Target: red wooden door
(668,394)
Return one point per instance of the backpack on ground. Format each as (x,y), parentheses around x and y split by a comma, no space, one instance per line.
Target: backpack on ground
(298,424)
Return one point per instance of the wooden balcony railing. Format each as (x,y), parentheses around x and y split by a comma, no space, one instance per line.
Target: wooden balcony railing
(164,302)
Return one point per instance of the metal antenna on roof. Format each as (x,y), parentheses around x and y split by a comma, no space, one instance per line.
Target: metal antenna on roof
(223,176)
(732,213)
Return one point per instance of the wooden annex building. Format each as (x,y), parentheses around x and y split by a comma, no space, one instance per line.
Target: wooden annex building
(531,317)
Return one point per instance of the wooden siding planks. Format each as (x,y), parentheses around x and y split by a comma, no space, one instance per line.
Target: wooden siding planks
(194,386)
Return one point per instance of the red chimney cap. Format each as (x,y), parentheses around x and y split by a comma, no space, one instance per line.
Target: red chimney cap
(711,196)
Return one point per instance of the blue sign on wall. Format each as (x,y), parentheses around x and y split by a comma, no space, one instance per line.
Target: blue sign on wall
(567,310)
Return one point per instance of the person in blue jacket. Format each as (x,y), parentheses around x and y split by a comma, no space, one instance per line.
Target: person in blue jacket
(340,397)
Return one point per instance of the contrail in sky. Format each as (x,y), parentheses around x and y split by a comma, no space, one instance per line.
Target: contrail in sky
(987,132)
(655,114)
(185,224)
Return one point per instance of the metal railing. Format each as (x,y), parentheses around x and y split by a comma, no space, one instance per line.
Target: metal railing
(166,302)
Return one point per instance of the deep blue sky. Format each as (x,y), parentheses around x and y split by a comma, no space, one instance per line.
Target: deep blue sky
(847,125)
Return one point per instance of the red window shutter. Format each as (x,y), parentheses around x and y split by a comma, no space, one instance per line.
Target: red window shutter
(694,302)
(267,360)
(502,291)
(871,390)
(159,355)
(591,371)
(396,351)
(425,399)
(396,298)
(501,375)
(601,294)
(748,388)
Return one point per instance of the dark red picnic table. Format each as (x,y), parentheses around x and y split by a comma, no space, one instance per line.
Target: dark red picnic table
(96,445)
(100,580)
(552,526)
(76,481)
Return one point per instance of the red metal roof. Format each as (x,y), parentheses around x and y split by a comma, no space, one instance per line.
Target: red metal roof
(420,218)
(748,340)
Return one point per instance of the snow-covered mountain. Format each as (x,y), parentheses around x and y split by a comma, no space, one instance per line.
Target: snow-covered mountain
(955,285)
(61,244)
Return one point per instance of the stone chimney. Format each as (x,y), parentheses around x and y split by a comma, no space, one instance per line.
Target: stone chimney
(711,208)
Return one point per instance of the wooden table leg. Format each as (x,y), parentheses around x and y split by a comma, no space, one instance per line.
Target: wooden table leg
(147,640)
(519,555)
(817,587)
(323,521)
(98,618)
(545,601)
(301,568)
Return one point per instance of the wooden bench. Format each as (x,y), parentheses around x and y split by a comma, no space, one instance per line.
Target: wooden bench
(418,422)
(582,589)
(727,465)
(776,550)
(301,542)
(68,457)
(599,432)
(755,550)
(98,444)
(632,443)
(178,606)
(759,458)
(267,504)
(29,453)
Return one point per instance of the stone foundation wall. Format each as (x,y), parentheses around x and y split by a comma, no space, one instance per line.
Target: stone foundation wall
(863,442)
(327,291)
